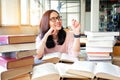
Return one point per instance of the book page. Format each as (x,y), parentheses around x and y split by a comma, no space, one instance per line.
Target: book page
(2,69)
(51,55)
(107,70)
(67,58)
(62,68)
(43,70)
(83,68)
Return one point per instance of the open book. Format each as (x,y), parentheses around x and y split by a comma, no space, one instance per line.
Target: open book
(99,70)
(57,57)
(51,71)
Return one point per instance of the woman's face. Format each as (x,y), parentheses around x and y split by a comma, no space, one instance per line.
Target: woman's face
(55,21)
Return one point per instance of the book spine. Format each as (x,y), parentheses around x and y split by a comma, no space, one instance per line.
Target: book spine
(20,62)
(3,40)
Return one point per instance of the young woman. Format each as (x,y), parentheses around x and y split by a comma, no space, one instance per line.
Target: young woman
(53,38)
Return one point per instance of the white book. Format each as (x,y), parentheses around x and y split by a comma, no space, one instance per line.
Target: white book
(99,49)
(100,38)
(109,43)
(57,57)
(51,71)
(97,61)
(99,58)
(99,70)
(89,33)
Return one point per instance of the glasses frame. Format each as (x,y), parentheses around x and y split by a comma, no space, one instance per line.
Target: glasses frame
(54,19)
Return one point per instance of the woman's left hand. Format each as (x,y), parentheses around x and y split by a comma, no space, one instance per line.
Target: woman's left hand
(75,27)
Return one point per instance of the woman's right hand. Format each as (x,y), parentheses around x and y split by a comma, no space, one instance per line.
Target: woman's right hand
(51,31)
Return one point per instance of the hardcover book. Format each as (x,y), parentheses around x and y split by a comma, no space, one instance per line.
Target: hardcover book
(26,76)
(3,40)
(15,39)
(19,54)
(11,63)
(17,47)
(6,74)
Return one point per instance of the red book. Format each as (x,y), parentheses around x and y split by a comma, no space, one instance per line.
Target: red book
(10,63)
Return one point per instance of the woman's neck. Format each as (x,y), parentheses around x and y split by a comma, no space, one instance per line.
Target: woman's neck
(55,36)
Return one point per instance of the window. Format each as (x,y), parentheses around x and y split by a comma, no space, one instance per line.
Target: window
(69,9)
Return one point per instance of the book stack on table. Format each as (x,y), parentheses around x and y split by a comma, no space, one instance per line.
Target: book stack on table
(99,45)
(16,57)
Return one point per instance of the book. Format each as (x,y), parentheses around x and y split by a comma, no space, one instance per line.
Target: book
(74,79)
(99,58)
(100,38)
(25,53)
(57,57)
(99,70)
(116,60)
(116,50)
(51,71)
(15,39)
(3,40)
(19,54)
(10,63)
(99,49)
(26,76)
(17,47)
(107,43)
(98,53)
(90,33)
(6,74)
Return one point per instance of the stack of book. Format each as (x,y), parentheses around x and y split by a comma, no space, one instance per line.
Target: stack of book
(99,45)
(16,64)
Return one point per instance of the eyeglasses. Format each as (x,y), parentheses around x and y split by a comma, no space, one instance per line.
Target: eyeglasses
(54,19)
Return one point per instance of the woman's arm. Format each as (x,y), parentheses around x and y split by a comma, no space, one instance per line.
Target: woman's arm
(40,44)
(76,33)
(76,45)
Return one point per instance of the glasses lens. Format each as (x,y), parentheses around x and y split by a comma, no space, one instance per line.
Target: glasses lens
(59,17)
(55,18)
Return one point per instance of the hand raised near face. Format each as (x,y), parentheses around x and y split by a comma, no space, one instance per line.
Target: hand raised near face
(51,31)
(75,26)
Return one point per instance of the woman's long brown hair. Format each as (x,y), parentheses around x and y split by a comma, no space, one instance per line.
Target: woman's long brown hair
(44,27)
